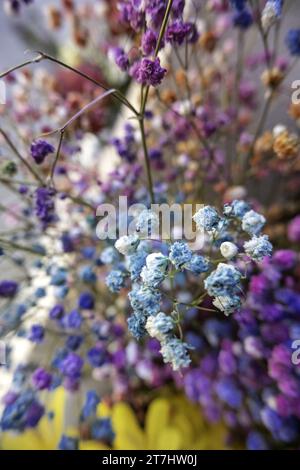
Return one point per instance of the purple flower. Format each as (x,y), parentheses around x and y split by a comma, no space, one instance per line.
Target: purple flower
(71,365)
(149,72)
(8,288)
(44,206)
(294,230)
(40,149)
(56,312)
(121,58)
(41,379)
(149,41)
(285,259)
(293,42)
(36,334)
(86,301)
(97,356)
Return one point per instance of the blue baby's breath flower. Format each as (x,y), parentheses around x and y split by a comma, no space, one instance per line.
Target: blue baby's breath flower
(224,281)
(227,304)
(180,254)
(155,270)
(109,255)
(236,209)
(197,265)
(158,326)
(147,223)
(207,218)
(176,353)
(135,264)
(115,280)
(136,325)
(87,275)
(253,222)
(258,247)
(127,245)
(145,300)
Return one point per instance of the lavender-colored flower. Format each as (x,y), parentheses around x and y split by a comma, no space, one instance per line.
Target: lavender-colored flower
(71,365)
(44,206)
(149,41)
(41,379)
(40,149)
(36,334)
(294,230)
(121,58)
(149,72)
(8,288)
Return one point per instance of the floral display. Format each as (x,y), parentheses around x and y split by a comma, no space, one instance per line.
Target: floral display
(149,164)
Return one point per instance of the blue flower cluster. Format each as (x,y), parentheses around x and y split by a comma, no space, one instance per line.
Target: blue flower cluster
(149,270)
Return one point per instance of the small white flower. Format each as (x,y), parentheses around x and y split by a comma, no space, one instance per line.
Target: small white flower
(127,245)
(229,250)
(279,129)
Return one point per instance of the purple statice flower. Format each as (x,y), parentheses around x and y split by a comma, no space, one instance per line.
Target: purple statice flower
(92,400)
(178,31)
(8,288)
(149,41)
(56,312)
(97,356)
(86,301)
(294,230)
(40,149)
(132,14)
(41,379)
(71,365)
(45,206)
(149,72)
(23,412)
(121,58)
(243,19)
(36,334)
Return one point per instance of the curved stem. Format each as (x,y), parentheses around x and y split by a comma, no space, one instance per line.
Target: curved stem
(20,157)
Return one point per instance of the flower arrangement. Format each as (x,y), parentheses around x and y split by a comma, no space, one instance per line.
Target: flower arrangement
(206,309)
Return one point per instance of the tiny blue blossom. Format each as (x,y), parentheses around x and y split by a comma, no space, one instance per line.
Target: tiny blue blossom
(175,352)
(147,223)
(236,209)
(227,304)
(115,280)
(145,300)
(207,218)
(197,265)
(155,270)
(109,255)
(258,247)
(158,326)
(253,222)
(224,281)
(180,254)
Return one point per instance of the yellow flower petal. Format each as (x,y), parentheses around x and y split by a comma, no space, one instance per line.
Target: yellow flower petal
(158,417)
(129,435)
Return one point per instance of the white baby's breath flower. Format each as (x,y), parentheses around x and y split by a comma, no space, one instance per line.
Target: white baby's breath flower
(127,245)
(229,250)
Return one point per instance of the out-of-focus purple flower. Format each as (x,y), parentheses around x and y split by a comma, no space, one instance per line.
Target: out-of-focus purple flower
(294,230)
(8,288)
(149,72)
(40,149)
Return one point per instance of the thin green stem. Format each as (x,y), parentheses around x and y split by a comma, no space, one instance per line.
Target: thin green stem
(20,157)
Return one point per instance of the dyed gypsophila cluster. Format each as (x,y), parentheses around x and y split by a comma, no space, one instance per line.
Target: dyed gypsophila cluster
(247,376)
(150,271)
